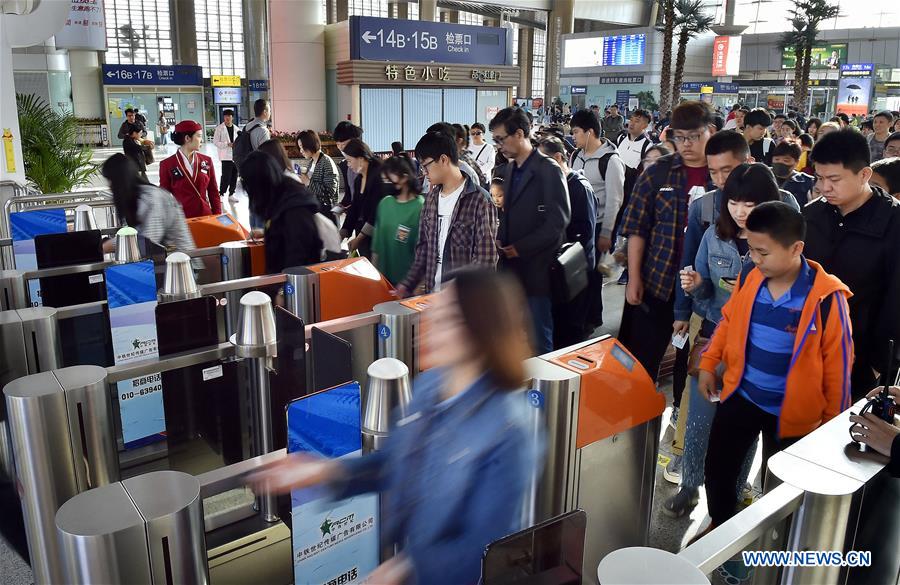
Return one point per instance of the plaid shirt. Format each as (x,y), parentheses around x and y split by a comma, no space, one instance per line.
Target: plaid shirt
(470,241)
(657,212)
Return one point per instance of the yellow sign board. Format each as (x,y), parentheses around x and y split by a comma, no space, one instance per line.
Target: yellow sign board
(225,80)
(9,150)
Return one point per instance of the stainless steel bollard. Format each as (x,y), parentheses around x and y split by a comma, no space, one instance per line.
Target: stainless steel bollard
(84,218)
(63,441)
(388,389)
(235,265)
(179,283)
(398,333)
(13,291)
(147,529)
(301,293)
(256,341)
(127,246)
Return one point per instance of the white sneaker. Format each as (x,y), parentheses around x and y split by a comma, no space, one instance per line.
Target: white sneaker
(672,472)
(233,198)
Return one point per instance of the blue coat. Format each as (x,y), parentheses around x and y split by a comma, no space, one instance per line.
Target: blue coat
(454,474)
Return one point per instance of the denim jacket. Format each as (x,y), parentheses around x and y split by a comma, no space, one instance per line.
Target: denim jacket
(455,474)
(716,259)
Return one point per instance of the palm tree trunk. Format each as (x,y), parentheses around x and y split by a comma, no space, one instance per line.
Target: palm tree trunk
(804,87)
(799,51)
(683,38)
(665,81)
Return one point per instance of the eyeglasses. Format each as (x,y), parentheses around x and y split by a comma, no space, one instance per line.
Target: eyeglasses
(500,139)
(477,133)
(425,165)
(689,139)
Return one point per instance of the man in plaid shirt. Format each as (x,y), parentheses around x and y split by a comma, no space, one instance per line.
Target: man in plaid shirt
(459,222)
(654,222)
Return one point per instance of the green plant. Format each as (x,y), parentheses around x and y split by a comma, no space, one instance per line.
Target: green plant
(647,101)
(806,16)
(54,163)
(691,19)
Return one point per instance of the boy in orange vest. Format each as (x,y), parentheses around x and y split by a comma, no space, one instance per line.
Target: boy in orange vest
(786,346)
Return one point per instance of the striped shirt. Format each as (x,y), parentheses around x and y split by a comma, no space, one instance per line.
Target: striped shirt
(770,344)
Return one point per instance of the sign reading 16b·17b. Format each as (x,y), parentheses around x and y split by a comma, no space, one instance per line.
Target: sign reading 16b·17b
(387,39)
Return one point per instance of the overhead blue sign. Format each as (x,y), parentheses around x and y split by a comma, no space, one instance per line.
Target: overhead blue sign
(387,39)
(258,84)
(152,75)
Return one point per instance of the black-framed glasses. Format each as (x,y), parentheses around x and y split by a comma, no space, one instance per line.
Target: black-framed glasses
(477,133)
(425,165)
(500,139)
(689,139)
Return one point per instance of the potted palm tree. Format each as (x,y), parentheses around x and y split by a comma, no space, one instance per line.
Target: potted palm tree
(54,162)
(665,73)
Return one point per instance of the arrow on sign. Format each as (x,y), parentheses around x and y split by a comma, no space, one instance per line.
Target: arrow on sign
(110,74)
(368,37)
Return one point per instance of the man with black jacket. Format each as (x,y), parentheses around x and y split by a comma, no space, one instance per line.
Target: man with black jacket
(853,230)
(344,132)
(533,219)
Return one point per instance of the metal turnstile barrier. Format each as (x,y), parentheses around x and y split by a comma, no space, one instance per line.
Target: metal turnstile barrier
(57,422)
(822,494)
(147,529)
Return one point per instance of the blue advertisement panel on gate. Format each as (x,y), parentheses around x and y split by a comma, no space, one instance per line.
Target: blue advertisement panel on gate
(25,226)
(387,39)
(152,75)
(131,297)
(334,541)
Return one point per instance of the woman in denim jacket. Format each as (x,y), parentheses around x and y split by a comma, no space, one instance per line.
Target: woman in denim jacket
(456,468)
(722,254)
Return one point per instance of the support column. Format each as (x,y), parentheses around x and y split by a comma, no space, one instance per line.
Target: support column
(256,39)
(526,52)
(297,82)
(185,22)
(451,16)
(398,9)
(561,22)
(343,10)
(427,10)
(87,87)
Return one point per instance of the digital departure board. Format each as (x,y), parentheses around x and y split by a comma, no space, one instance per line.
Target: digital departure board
(605,51)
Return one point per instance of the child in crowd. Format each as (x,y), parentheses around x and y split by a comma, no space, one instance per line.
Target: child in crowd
(397,219)
(497,192)
(784,341)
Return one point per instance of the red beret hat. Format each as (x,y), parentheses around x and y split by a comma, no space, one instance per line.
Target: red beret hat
(187,127)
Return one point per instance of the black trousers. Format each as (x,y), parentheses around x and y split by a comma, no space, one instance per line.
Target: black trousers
(646,331)
(229,177)
(734,429)
(570,324)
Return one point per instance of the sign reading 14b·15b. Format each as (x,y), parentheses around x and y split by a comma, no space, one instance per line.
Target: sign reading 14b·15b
(387,39)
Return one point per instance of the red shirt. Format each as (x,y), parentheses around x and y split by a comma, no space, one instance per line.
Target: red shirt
(197,191)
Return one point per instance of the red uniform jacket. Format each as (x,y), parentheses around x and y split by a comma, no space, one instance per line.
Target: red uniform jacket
(198,195)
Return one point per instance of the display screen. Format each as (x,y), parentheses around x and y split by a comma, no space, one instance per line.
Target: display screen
(54,250)
(605,51)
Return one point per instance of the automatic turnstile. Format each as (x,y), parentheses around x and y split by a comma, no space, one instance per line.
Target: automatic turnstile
(602,414)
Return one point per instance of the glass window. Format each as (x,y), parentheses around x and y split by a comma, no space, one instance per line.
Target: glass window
(775,17)
(134,29)
(222,28)
(538,63)
(368,8)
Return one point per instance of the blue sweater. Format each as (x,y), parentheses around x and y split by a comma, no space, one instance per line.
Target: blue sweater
(454,474)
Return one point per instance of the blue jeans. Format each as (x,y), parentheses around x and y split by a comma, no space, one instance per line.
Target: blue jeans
(542,322)
(696,439)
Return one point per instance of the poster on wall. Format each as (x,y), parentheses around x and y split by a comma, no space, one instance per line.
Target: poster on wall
(25,226)
(131,297)
(822,57)
(85,27)
(853,96)
(334,541)
(775,101)
(726,56)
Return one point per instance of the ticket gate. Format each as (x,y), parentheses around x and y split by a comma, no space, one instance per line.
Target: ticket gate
(601,412)
(213,230)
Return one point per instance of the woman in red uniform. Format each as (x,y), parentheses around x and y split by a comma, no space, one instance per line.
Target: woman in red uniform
(189,175)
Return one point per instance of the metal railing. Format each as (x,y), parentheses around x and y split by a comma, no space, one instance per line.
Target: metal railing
(830,492)
(98,199)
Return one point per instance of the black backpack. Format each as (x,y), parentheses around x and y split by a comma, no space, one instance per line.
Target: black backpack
(242,146)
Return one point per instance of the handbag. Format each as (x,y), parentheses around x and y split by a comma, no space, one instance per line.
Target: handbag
(568,273)
(148,153)
(693,365)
